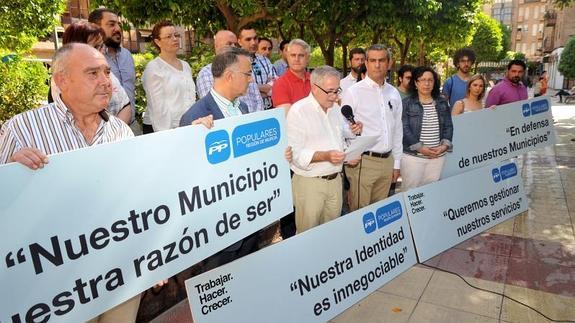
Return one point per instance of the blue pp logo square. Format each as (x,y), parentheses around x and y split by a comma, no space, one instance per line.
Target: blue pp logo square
(496,175)
(369,224)
(526,110)
(218,146)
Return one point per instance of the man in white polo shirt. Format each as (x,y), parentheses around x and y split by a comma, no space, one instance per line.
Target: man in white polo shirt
(378,105)
(315,128)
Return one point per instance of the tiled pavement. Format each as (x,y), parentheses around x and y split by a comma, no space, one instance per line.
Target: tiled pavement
(530,258)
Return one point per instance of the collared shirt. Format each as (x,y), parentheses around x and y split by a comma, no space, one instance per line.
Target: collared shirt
(263,73)
(506,92)
(52,129)
(281,67)
(379,108)
(347,82)
(122,65)
(290,88)
(169,93)
(252,98)
(309,130)
(228,108)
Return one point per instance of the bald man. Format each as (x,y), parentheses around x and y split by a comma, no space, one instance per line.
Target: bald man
(205,81)
(76,119)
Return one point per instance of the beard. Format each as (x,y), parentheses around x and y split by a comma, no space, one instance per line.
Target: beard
(110,42)
(515,80)
(358,69)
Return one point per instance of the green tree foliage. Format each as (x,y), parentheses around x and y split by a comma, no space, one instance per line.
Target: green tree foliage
(505,40)
(23,85)
(487,40)
(562,4)
(566,66)
(23,21)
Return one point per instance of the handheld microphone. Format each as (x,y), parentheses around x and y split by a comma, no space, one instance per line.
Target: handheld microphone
(348,114)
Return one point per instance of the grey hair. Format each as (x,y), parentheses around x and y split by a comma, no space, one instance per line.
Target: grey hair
(320,73)
(379,47)
(226,59)
(60,60)
(301,43)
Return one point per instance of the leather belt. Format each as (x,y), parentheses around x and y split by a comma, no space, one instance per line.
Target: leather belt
(378,155)
(329,177)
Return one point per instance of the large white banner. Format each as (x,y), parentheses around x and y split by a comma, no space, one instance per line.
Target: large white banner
(493,135)
(313,276)
(99,225)
(447,212)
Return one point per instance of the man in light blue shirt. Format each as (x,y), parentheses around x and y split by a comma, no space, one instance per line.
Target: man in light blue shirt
(120,59)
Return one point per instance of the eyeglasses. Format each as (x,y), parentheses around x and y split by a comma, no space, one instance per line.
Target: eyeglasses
(336,92)
(248,74)
(172,36)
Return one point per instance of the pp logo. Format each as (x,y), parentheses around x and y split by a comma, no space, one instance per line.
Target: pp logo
(496,175)
(218,146)
(369,224)
(526,110)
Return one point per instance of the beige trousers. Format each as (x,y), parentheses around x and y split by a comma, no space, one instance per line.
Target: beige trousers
(316,201)
(373,185)
(417,171)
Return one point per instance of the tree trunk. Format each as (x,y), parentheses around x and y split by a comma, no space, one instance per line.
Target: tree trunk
(421,53)
(344,58)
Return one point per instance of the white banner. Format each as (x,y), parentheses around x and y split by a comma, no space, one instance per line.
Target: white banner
(493,135)
(445,213)
(311,277)
(99,225)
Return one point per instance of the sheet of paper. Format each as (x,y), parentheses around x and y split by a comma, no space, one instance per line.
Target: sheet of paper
(358,146)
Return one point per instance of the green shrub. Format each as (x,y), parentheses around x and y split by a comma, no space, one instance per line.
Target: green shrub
(140,61)
(23,85)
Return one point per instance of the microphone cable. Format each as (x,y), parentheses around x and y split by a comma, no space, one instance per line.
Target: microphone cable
(497,293)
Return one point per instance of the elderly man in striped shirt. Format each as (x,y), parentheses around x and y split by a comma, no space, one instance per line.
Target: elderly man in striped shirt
(77,118)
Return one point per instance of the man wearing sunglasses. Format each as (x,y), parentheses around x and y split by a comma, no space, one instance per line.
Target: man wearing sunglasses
(377,104)
(316,133)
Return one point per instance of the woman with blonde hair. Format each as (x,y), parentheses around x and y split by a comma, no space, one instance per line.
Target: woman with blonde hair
(473,100)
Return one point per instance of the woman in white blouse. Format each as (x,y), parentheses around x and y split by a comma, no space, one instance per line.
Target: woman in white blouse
(168,82)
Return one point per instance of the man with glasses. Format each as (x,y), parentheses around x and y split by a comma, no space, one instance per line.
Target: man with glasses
(232,73)
(263,71)
(316,134)
(377,104)
(223,40)
(119,58)
(455,87)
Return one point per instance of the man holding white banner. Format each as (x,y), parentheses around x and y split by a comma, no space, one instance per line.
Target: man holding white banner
(315,131)
(76,119)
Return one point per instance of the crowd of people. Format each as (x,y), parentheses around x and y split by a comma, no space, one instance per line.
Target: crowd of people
(93,83)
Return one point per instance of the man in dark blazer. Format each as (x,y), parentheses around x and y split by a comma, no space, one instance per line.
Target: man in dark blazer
(232,72)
